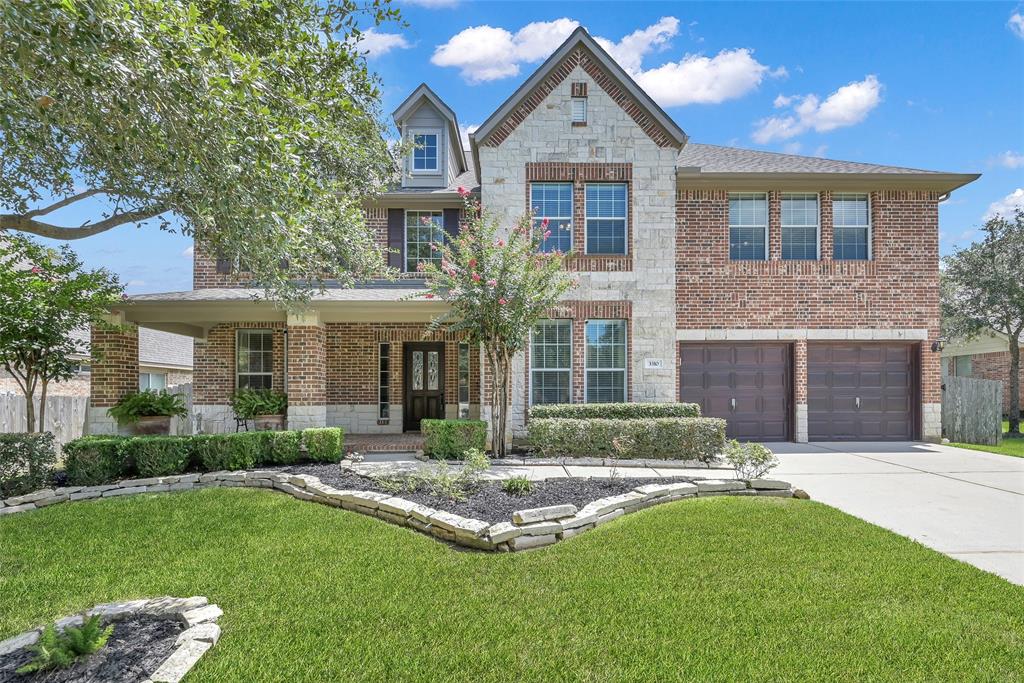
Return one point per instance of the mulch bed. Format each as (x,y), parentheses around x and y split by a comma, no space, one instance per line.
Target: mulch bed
(136,649)
(488,502)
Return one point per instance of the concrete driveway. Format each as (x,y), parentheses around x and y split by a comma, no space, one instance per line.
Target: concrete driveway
(966,504)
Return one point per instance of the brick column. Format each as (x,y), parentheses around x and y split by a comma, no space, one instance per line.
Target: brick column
(115,372)
(306,375)
(800,389)
(826,226)
(774,245)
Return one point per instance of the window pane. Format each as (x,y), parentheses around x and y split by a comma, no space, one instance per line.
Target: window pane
(417,370)
(850,243)
(748,222)
(606,218)
(157,381)
(424,154)
(432,370)
(254,360)
(422,229)
(850,210)
(606,361)
(551,361)
(606,386)
(579,110)
(800,226)
(553,201)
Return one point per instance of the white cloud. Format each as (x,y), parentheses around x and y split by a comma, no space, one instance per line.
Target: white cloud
(374,44)
(486,53)
(1009,159)
(189,252)
(464,132)
(820,150)
(1007,205)
(1016,24)
(792,148)
(135,283)
(847,106)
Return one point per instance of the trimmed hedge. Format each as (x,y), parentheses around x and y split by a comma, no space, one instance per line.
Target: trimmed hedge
(26,461)
(614,411)
(449,439)
(324,444)
(94,460)
(158,456)
(283,448)
(238,451)
(665,438)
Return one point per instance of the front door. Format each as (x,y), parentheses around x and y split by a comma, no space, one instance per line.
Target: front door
(424,383)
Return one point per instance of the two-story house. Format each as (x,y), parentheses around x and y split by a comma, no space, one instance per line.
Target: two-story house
(796,297)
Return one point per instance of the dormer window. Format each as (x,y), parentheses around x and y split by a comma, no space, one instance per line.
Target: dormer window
(425,153)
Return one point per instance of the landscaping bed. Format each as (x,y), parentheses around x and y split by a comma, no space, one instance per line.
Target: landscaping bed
(487,501)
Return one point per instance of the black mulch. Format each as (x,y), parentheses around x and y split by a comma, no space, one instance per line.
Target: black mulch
(136,649)
(488,502)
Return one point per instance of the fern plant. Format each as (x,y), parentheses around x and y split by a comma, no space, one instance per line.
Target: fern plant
(517,486)
(89,637)
(56,650)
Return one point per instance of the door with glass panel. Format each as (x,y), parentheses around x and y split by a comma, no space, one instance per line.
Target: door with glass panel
(424,383)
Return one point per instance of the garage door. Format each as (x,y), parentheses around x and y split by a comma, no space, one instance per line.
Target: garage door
(747,384)
(861,392)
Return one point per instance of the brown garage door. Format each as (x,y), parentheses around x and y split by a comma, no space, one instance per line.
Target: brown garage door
(861,392)
(747,384)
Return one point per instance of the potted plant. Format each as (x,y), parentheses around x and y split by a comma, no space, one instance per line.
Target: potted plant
(265,407)
(149,412)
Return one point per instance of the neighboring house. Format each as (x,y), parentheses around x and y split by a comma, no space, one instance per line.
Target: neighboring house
(165,360)
(796,297)
(987,356)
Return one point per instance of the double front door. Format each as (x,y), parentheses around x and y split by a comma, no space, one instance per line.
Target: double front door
(423,379)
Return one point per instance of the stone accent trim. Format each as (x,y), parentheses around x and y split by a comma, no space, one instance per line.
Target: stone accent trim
(812,334)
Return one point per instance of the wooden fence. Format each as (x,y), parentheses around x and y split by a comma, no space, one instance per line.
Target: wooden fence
(972,410)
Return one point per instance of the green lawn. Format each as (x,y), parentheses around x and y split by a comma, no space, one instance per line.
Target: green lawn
(1012,446)
(713,589)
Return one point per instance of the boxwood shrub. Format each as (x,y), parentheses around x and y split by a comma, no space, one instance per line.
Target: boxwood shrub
(26,461)
(159,456)
(283,448)
(449,439)
(94,460)
(615,411)
(323,444)
(238,451)
(666,438)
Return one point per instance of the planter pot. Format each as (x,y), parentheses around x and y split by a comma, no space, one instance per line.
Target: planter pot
(155,424)
(269,423)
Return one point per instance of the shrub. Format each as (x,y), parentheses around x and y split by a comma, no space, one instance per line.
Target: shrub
(148,404)
(323,444)
(239,451)
(614,411)
(517,486)
(450,439)
(751,460)
(158,456)
(282,448)
(26,461)
(687,438)
(94,460)
(248,403)
(59,650)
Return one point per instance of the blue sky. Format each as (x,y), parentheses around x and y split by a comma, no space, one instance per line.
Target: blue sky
(935,86)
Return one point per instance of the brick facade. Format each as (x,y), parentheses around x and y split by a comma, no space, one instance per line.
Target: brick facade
(115,373)
(307,365)
(994,366)
(214,365)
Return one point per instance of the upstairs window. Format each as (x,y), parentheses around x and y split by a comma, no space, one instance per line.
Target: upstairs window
(551,362)
(606,361)
(748,226)
(254,359)
(851,220)
(800,226)
(425,152)
(606,218)
(553,201)
(579,110)
(424,230)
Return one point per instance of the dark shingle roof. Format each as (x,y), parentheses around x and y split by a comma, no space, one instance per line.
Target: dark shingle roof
(717,159)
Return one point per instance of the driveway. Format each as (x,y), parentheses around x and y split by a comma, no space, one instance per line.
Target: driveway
(966,504)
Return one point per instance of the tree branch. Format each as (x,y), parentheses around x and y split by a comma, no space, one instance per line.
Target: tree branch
(62,203)
(23,223)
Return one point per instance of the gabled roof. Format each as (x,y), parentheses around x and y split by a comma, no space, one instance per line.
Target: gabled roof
(580,38)
(423,92)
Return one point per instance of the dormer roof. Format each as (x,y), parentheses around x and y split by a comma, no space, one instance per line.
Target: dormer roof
(413,101)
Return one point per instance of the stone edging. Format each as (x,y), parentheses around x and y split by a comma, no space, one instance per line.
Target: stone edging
(196,613)
(528,529)
(537,461)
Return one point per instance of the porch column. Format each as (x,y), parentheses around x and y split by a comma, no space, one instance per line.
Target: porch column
(800,389)
(115,372)
(306,371)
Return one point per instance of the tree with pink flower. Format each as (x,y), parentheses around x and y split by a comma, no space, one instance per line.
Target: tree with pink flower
(497,283)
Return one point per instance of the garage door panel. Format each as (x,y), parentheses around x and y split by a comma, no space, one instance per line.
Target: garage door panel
(718,354)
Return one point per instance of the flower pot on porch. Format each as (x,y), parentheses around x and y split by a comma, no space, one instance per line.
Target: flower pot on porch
(152,424)
(269,423)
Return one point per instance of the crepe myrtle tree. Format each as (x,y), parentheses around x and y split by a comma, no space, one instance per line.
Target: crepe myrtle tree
(46,297)
(497,283)
(253,127)
(983,288)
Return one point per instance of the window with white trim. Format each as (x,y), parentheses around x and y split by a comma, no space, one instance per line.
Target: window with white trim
(851,227)
(748,226)
(425,152)
(424,231)
(606,218)
(154,381)
(254,357)
(800,226)
(552,202)
(551,362)
(579,110)
(384,381)
(605,361)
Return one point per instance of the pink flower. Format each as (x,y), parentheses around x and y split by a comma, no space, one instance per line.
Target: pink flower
(420,265)
(502,301)
(544,223)
(463,192)
(429,296)
(433,247)
(472,263)
(500,243)
(425,220)
(36,270)
(492,283)
(476,277)
(547,234)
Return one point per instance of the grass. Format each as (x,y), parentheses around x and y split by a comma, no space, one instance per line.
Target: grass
(714,589)
(1009,446)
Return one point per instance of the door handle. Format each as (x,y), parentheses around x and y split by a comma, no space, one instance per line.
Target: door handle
(732,404)
(857,402)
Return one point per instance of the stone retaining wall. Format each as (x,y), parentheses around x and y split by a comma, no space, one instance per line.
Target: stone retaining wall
(528,529)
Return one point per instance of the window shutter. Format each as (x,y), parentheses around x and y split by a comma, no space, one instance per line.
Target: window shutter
(451,223)
(396,237)
(223,266)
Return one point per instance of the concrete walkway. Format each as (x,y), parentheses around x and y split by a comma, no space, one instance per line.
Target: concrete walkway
(966,504)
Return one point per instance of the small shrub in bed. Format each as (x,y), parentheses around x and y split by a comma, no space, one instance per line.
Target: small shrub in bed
(158,456)
(323,444)
(449,439)
(26,461)
(615,411)
(95,460)
(517,486)
(239,451)
(59,650)
(751,460)
(683,438)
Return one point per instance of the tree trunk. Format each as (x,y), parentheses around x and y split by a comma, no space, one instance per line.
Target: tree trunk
(1015,384)
(42,406)
(30,408)
(498,365)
